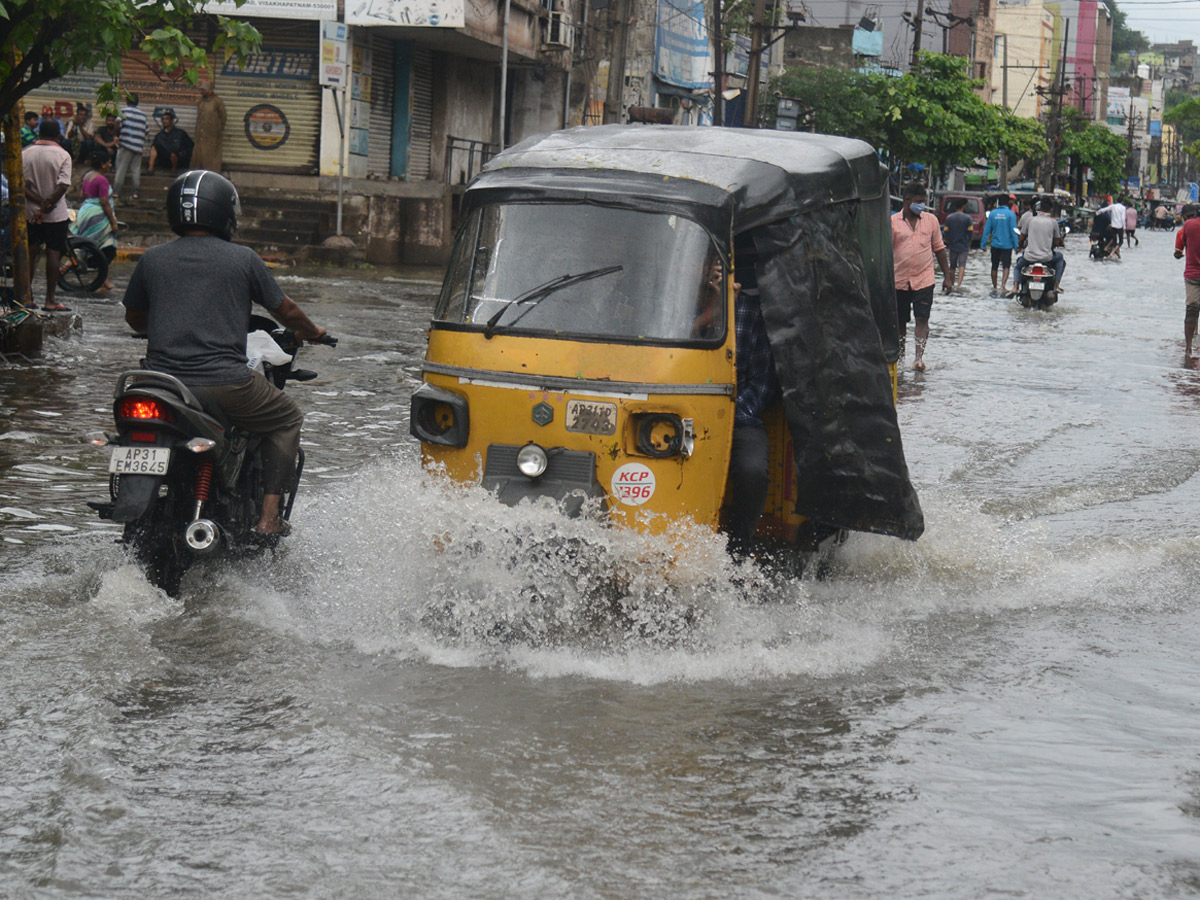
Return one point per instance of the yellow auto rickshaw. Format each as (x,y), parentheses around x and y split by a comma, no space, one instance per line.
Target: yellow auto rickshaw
(583,346)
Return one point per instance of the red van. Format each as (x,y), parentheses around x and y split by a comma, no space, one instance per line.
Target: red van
(974,209)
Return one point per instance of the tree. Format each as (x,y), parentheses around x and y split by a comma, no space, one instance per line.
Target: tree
(844,102)
(1186,119)
(44,39)
(1094,146)
(1124,40)
(933,114)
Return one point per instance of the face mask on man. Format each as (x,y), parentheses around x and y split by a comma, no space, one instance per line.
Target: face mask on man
(917,208)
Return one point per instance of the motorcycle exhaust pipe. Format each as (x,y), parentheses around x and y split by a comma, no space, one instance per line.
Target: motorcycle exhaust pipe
(203,536)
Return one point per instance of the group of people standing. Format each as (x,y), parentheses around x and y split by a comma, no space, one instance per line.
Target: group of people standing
(49,152)
(917,241)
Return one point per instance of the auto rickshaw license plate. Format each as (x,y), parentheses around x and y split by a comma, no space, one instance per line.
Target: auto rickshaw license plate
(139,460)
(591,417)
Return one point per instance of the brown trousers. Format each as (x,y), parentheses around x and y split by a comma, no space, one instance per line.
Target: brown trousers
(261,408)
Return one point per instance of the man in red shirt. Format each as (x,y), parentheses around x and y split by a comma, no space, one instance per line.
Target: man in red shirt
(1189,239)
(916,240)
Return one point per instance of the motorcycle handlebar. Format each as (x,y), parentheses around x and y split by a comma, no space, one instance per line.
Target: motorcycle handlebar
(327,339)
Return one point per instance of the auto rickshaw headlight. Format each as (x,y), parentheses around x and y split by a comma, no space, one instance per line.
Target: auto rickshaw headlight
(659,435)
(438,416)
(532,460)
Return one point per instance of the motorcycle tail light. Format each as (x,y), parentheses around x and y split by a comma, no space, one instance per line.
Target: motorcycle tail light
(144,437)
(143,408)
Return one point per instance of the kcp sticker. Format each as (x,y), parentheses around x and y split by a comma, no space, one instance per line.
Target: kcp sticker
(633,484)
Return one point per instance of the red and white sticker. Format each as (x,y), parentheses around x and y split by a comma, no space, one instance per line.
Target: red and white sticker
(633,484)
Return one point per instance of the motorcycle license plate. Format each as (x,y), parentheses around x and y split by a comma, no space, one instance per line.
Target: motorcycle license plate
(139,460)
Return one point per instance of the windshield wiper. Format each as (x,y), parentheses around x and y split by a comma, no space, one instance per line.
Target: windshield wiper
(534,296)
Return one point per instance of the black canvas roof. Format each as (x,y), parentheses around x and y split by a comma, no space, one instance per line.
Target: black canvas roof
(755,176)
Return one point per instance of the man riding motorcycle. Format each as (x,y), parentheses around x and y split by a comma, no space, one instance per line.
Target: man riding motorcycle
(192,297)
(1040,235)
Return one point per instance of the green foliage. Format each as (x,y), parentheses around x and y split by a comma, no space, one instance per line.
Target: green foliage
(845,102)
(1185,117)
(43,39)
(1097,148)
(931,115)
(1124,39)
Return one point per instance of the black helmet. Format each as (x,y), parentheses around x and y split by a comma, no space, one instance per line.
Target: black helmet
(203,199)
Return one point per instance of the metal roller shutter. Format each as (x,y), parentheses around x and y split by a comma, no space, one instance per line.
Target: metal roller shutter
(273,103)
(383,77)
(420,142)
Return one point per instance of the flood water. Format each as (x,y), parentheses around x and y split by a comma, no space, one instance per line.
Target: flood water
(420,697)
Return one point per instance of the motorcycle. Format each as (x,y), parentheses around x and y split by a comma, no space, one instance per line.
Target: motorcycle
(1037,289)
(185,483)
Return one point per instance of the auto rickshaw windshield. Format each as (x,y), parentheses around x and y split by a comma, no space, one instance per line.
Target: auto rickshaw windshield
(584,269)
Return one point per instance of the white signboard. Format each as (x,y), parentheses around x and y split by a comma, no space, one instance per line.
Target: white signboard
(334,58)
(275,9)
(432,13)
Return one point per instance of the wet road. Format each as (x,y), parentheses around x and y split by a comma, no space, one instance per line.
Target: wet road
(1007,707)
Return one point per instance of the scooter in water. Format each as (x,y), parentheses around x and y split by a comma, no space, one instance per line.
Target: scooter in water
(186,484)
(1036,288)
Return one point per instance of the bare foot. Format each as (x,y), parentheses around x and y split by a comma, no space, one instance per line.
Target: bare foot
(919,365)
(277,526)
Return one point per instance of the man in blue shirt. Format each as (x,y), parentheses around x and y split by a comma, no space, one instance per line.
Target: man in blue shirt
(1000,232)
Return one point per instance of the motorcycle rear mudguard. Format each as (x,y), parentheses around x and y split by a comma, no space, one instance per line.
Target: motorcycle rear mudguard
(135,493)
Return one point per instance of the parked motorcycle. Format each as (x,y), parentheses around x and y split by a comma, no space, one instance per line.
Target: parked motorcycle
(1036,288)
(185,483)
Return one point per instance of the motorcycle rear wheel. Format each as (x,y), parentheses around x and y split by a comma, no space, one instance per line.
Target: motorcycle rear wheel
(156,547)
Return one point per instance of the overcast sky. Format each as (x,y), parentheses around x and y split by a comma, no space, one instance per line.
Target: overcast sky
(1164,20)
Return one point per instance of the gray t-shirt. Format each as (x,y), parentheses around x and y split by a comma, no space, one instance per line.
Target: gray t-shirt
(1040,233)
(197,293)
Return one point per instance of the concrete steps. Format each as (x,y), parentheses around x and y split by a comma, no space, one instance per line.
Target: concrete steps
(275,224)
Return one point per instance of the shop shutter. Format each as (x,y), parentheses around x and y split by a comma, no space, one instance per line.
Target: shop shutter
(383,77)
(420,143)
(273,103)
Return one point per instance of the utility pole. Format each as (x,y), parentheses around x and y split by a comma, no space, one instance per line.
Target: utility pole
(754,67)
(1054,126)
(718,66)
(1004,99)
(614,97)
(917,32)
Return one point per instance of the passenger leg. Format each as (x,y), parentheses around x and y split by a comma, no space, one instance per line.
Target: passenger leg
(749,479)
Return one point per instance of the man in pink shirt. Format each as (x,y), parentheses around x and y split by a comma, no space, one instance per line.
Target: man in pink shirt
(1188,240)
(47,177)
(916,240)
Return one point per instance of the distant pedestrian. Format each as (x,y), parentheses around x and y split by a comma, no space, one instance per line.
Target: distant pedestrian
(29,131)
(132,140)
(79,133)
(47,169)
(96,220)
(1158,218)
(172,146)
(210,129)
(1188,241)
(1131,221)
(959,229)
(916,240)
(1000,233)
(105,137)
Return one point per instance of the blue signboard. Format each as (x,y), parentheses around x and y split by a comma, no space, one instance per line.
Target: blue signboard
(683,55)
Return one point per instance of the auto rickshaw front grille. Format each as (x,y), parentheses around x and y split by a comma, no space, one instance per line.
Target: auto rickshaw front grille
(562,465)
(570,476)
